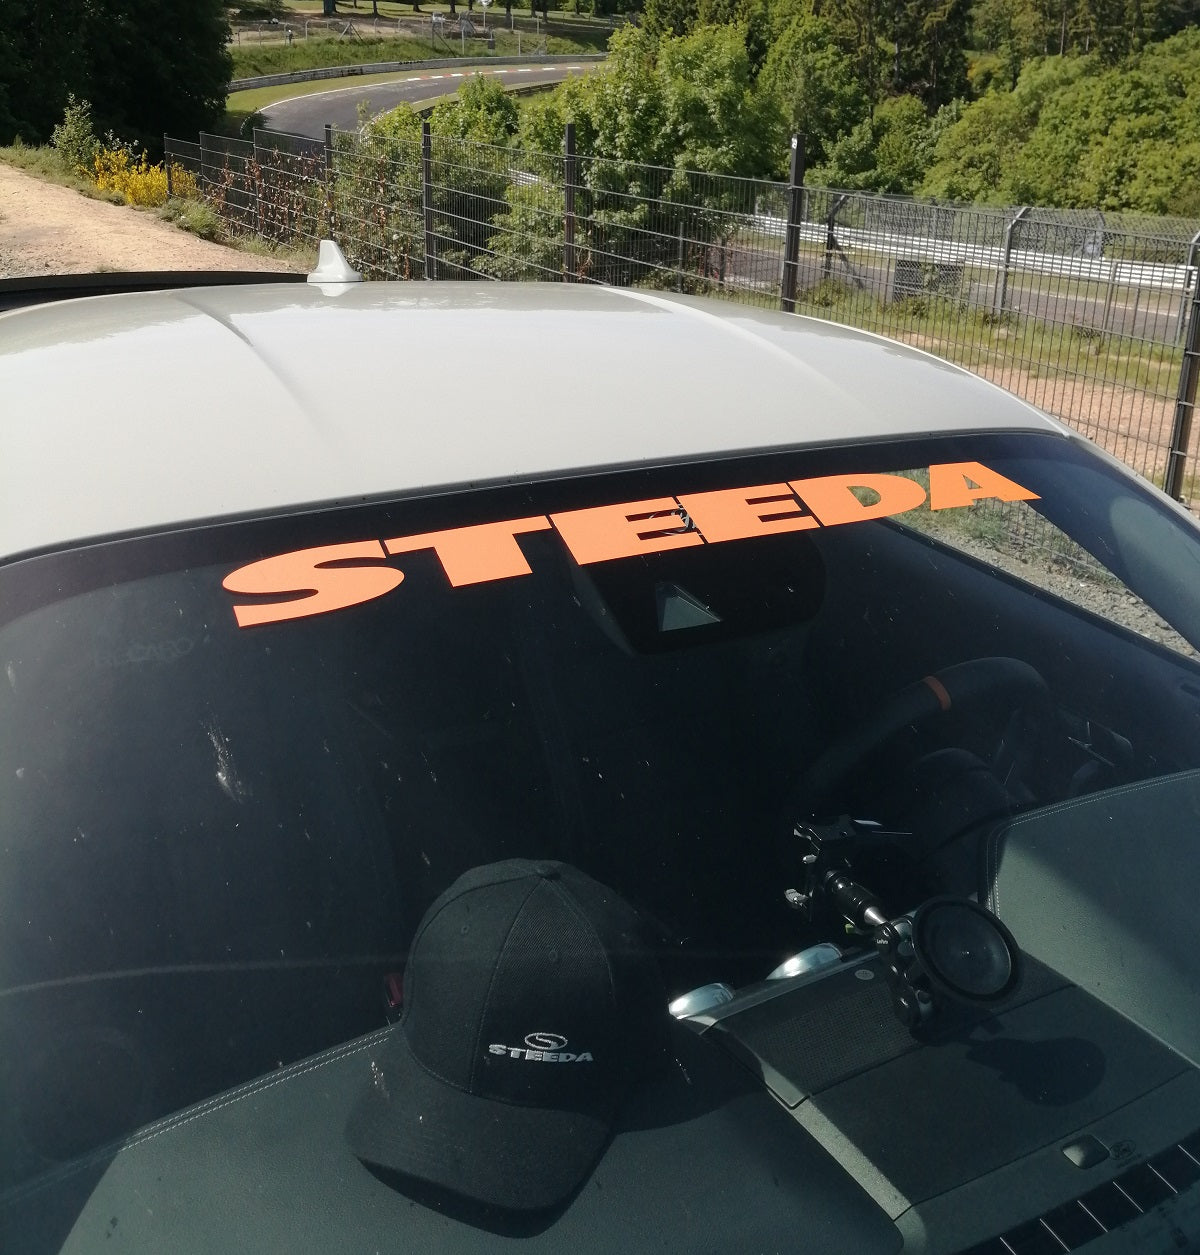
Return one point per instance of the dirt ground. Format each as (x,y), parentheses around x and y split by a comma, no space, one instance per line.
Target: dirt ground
(47,229)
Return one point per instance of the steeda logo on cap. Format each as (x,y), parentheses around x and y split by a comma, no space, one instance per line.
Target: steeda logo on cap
(542,1048)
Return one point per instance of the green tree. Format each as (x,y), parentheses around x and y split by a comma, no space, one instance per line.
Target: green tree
(146,71)
(670,17)
(382,173)
(720,121)
(814,83)
(620,112)
(974,159)
(42,60)
(971,157)
(859,26)
(1014,29)
(930,38)
(914,47)
(1109,140)
(1020,30)
(1076,132)
(661,109)
(888,152)
(151,72)
(483,112)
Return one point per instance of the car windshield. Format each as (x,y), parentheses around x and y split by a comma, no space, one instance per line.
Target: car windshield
(775,703)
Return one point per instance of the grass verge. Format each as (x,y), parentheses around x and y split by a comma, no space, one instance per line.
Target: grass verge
(45,163)
(250,60)
(195,217)
(973,338)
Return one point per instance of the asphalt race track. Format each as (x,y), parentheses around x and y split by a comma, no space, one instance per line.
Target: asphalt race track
(308,115)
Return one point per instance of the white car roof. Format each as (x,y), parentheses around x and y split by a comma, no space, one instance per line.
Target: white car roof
(140,411)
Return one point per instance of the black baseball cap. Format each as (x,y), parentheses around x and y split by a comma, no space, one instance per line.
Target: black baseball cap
(532,1006)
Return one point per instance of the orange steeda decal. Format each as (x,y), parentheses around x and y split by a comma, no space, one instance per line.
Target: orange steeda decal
(963,483)
(833,500)
(331,577)
(473,555)
(738,513)
(623,531)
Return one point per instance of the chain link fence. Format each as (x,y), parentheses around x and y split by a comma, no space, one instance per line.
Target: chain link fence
(1089,316)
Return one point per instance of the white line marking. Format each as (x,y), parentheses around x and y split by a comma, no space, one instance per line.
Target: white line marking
(525,69)
(437,76)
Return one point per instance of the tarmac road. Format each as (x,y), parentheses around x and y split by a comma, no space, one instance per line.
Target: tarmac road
(308,115)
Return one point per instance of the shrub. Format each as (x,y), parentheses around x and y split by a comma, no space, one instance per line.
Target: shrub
(74,138)
(192,215)
(118,170)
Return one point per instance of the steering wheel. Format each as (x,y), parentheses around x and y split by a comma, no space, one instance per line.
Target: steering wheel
(982,685)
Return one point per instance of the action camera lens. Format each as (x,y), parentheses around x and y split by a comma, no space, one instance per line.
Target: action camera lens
(966,950)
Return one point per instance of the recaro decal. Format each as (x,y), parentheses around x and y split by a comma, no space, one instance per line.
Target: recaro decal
(332,577)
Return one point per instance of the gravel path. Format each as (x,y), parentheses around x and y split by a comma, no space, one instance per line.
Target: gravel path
(48,229)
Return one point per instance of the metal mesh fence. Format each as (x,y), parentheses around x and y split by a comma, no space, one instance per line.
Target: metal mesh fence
(1082,313)
(1077,316)
(374,199)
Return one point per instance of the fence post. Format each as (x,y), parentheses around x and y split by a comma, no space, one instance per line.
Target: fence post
(427,200)
(791,238)
(1002,278)
(327,226)
(831,239)
(260,213)
(167,164)
(1191,276)
(1110,293)
(570,177)
(1185,405)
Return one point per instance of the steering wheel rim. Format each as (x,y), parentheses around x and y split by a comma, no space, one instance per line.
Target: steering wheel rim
(979,682)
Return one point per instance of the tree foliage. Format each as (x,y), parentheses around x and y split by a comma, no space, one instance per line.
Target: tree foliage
(687,102)
(41,61)
(1019,31)
(887,152)
(662,108)
(146,68)
(1079,133)
(470,167)
(815,83)
(1076,102)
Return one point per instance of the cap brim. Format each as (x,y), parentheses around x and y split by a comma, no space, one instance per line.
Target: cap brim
(495,1153)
